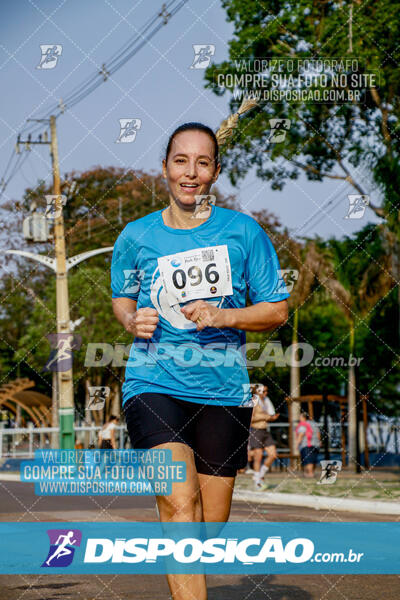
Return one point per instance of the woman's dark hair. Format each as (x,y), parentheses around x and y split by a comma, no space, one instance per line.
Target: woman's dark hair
(113,418)
(194,127)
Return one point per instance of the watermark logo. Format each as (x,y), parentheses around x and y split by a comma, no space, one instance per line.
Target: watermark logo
(50,55)
(287,279)
(101,473)
(128,130)
(337,361)
(202,55)
(132,281)
(61,355)
(357,205)
(203,206)
(279,129)
(62,547)
(54,205)
(97,397)
(297,80)
(193,550)
(214,354)
(330,470)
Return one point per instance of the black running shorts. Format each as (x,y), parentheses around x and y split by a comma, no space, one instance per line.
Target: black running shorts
(218,435)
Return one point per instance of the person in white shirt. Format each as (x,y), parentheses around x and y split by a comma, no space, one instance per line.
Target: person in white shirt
(106,438)
(260,438)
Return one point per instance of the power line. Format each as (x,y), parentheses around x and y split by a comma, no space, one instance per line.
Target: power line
(116,62)
(309,224)
(9,163)
(19,162)
(78,88)
(111,67)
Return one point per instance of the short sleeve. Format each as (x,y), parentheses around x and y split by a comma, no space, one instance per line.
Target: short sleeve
(125,276)
(263,272)
(300,429)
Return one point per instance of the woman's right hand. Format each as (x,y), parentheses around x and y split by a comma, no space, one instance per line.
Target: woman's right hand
(142,323)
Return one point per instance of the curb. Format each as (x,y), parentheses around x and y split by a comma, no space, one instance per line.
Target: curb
(10,477)
(320,502)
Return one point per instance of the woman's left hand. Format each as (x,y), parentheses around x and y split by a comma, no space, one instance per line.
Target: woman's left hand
(204,314)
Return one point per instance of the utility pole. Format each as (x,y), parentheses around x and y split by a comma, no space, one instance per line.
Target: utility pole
(64,378)
(60,265)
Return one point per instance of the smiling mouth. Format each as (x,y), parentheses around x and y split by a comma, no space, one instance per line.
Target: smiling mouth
(189,186)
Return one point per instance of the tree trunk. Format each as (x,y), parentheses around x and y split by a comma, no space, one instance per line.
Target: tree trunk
(351,405)
(294,409)
(54,412)
(88,414)
(396,274)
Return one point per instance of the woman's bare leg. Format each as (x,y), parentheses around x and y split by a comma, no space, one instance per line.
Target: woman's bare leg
(216,497)
(183,505)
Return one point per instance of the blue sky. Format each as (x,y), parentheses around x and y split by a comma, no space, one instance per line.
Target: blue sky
(156,86)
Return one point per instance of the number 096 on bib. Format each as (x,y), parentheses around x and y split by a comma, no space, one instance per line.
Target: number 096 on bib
(196,274)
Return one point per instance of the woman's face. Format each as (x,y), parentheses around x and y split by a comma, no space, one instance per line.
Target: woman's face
(190,170)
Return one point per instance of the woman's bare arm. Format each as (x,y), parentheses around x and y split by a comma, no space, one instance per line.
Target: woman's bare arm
(123,308)
(140,322)
(264,316)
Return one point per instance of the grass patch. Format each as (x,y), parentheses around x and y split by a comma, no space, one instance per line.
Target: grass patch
(364,487)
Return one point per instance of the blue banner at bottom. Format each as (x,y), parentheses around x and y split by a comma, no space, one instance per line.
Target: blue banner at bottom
(214,548)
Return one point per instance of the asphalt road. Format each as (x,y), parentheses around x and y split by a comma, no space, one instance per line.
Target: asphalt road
(19,503)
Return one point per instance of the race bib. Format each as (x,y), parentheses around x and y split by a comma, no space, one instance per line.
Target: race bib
(196,274)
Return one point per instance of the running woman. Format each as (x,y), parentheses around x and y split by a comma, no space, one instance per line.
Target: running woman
(186,384)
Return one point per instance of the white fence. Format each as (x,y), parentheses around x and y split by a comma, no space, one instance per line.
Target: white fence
(22,442)
(383,436)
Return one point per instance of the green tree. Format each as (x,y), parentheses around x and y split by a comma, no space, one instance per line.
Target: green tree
(354,141)
(363,265)
(16,305)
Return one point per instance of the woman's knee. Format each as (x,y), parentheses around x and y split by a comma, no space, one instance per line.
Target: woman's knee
(182,507)
(217,514)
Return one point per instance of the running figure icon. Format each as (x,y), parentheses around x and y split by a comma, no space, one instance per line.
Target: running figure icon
(61,355)
(62,549)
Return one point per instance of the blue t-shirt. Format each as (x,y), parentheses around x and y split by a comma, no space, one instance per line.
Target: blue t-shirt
(230,249)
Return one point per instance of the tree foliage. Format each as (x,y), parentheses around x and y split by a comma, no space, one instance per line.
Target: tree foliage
(355,141)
